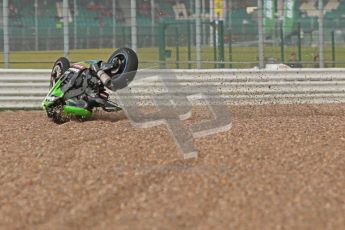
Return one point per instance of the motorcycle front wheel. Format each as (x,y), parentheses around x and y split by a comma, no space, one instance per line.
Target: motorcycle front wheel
(60,67)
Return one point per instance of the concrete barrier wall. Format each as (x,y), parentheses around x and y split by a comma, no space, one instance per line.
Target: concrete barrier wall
(25,89)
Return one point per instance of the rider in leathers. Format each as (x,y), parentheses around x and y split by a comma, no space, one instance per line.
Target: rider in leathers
(86,85)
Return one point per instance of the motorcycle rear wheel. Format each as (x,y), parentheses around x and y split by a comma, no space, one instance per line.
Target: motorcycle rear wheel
(128,61)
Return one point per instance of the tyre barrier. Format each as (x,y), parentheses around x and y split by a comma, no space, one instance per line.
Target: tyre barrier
(25,89)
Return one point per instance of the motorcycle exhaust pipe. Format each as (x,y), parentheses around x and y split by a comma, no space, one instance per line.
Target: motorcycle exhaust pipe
(104,77)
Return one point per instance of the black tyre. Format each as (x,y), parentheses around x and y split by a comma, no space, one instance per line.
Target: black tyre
(59,68)
(128,61)
(56,115)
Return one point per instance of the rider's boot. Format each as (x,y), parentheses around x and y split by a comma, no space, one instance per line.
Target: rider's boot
(77,103)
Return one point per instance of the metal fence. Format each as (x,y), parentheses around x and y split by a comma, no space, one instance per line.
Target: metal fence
(175,33)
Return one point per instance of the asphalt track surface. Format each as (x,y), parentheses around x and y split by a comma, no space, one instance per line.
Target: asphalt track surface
(279,167)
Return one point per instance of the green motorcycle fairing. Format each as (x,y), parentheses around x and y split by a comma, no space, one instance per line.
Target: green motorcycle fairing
(56,93)
(76,111)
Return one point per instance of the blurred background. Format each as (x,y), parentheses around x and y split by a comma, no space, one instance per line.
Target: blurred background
(175,33)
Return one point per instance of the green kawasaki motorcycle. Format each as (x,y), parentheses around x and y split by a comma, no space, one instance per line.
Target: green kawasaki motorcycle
(75,90)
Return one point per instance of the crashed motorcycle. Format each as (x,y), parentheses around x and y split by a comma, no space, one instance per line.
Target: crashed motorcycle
(77,89)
